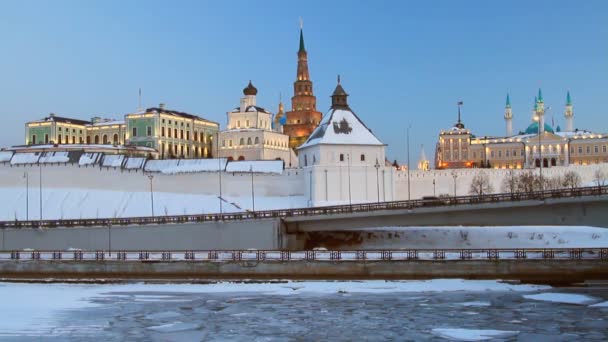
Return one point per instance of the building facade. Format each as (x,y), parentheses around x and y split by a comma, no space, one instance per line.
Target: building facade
(303,118)
(172,133)
(249,134)
(539,144)
(59,130)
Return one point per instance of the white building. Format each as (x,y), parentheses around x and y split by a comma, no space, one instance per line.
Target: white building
(249,134)
(343,161)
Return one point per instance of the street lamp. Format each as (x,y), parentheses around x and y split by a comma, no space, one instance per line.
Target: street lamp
(27,195)
(252,191)
(434,187)
(377,166)
(408,163)
(150,177)
(40,188)
(219,169)
(454,175)
(540,152)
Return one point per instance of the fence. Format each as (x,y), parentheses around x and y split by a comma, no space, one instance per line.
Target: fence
(600,254)
(329,210)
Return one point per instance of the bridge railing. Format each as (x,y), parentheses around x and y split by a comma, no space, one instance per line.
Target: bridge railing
(311,211)
(600,254)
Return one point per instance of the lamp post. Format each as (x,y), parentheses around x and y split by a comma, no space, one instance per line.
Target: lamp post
(377,166)
(408,163)
(540,152)
(454,175)
(27,195)
(219,169)
(434,194)
(40,188)
(150,177)
(252,191)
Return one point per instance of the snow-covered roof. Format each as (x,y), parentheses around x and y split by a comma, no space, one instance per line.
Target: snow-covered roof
(341,127)
(258,166)
(89,158)
(5,156)
(135,163)
(108,123)
(25,158)
(113,160)
(54,157)
(173,166)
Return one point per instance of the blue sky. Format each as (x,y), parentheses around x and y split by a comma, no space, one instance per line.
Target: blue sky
(402,62)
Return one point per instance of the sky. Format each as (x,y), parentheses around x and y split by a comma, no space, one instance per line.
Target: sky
(404,63)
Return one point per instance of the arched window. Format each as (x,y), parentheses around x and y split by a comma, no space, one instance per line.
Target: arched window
(230,159)
(105,139)
(115,139)
(241,158)
(248,141)
(73,139)
(257,140)
(242,141)
(88,140)
(46,138)
(97,139)
(58,139)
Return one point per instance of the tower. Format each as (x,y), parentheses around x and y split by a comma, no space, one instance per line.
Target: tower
(303,117)
(539,108)
(569,114)
(278,119)
(508,117)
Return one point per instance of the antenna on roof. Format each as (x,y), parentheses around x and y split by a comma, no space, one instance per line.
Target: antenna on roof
(139,101)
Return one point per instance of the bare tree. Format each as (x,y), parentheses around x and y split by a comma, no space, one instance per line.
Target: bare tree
(509,183)
(599,178)
(527,182)
(571,180)
(480,184)
(553,183)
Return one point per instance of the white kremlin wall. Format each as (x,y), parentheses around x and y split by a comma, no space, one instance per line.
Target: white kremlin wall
(70,191)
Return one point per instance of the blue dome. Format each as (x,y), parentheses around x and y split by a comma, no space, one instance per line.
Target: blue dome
(533,128)
(283,120)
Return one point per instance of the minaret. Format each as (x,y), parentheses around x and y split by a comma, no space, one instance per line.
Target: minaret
(509,117)
(540,111)
(569,114)
(303,117)
(280,114)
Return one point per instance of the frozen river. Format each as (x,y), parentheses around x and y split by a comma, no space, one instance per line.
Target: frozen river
(302,311)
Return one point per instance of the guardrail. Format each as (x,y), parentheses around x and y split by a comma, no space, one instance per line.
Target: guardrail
(327,210)
(600,254)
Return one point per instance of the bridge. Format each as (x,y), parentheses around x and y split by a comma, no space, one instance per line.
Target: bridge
(302,228)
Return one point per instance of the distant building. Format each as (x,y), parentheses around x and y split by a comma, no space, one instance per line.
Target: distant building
(303,117)
(249,134)
(173,134)
(459,148)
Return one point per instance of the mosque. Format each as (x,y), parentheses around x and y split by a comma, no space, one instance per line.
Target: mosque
(539,144)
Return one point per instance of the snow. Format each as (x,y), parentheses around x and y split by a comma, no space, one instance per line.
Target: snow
(5,156)
(173,327)
(134,163)
(54,157)
(89,159)
(25,158)
(600,305)
(260,166)
(326,133)
(112,160)
(173,166)
(74,203)
(472,334)
(567,298)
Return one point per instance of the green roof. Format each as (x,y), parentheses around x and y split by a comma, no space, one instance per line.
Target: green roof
(535,103)
(508,101)
(540,95)
(302,49)
(533,128)
(568,99)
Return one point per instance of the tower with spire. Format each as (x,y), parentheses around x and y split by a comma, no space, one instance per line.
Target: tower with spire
(303,117)
(539,108)
(279,118)
(569,114)
(509,117)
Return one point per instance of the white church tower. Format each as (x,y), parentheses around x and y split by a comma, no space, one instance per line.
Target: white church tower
(569,114)
(509,117)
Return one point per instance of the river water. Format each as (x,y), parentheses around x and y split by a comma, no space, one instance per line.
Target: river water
(293,311)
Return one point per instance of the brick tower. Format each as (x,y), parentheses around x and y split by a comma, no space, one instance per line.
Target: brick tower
(303,117)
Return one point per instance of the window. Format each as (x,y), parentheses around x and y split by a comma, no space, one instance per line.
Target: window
(58,139)
(175,134)
(492,154)
(80,140)
(34,139)
(96,139)
(305,160)
(604,148)
(242,141)
(474,155)
(105,139)
(88,140)
(257,141)
(507,153)
(363,157)
(597,149)
(588,149)
(163,121)
(187,135)
(162,131)
(169,131)
(230,143)
(238,123)
(115,139)
(73,139)
(248,141)
(73,130)
(500,154)
(580,150)
(341,157)
(133,134)
(247,123)
(59,129)
(181,133)
(149,131)
(195,136)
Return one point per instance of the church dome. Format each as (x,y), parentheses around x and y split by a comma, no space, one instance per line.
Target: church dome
(250,90)
(533,128)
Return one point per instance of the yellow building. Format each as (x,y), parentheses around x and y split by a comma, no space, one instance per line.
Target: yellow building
(539,143)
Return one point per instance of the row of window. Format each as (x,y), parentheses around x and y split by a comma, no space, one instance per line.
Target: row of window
(66,139)
(262,124)
(68,130)
(596,149)
(341,157)
(255,141)
(181,151)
